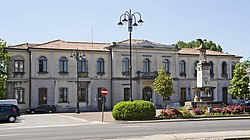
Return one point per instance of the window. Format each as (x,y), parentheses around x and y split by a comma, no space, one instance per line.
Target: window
(63,95)
(82,95)
(82,65)
(42,64)
(182,68)
(146,65)
(233,67)
(100,66)
(211,69)
(166,65)
(19,65)
(126,94)
(195,68)
(19,94)
(63,64)
(224,70)
(125,65)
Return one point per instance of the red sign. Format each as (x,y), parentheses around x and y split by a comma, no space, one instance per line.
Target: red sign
(104,92)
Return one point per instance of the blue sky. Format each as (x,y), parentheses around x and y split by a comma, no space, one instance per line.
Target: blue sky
(226,22)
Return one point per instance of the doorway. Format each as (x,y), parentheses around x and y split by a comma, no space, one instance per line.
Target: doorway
(224,95)
(42,96)
(183,96)
(147,94)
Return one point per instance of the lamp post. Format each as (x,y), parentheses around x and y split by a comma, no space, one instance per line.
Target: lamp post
(77,56)
(130,17)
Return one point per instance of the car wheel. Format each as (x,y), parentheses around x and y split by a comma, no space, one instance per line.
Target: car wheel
(12,119)
(50,111)
(32,111)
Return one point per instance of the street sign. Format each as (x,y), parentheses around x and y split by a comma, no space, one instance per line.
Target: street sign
(104,92)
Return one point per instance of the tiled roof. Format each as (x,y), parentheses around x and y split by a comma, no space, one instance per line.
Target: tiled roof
(187,51)
(65,45)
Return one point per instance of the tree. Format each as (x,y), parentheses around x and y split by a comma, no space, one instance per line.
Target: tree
(4,58)
(163,84)
(194,44)
(240,82)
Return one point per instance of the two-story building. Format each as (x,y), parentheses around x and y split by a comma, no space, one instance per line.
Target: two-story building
(47,74)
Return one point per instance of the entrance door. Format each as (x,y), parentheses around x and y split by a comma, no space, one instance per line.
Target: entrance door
(100,99)
(183,96)
(224,95)
(147,94)
(42,96)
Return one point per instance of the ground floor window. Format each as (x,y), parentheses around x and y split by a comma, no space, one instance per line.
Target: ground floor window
(63,95)
(82,95)
(19,94)
(126,94)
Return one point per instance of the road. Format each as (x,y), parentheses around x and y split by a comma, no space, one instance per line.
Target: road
(59,127)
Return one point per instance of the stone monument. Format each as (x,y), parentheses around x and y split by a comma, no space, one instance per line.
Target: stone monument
(204,88)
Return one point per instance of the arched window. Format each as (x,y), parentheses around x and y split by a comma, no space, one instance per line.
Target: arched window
(100,66)
(195,66)
(125,65)
(211,69)
(166,65)
(146,65)
(233,67)
(63,64)
(42,64)
(147,94)
(182,68)
(18,64)
(82,65)
(224,69)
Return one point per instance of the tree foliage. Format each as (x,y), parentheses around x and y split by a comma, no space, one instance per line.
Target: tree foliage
(4,58)
(240,81)
(163,83)
(195,44)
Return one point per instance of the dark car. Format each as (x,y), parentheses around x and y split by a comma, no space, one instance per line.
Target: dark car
(8,113)
(42,109)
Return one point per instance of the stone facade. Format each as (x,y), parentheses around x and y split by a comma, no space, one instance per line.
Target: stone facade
(43,81)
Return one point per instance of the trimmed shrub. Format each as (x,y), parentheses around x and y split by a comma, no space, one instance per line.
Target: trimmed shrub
(171,113)
(135,110)
(198,111)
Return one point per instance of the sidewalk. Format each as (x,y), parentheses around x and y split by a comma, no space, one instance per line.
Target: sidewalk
(97,117)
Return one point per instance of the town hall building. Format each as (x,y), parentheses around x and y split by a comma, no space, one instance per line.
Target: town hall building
(47,74)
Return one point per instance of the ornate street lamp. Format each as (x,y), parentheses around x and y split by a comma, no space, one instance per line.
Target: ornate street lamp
(130,17)
(77,56)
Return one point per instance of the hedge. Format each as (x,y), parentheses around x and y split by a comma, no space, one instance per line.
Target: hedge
(134,110)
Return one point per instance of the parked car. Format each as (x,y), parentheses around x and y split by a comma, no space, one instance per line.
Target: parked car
(42,109)
(8,113)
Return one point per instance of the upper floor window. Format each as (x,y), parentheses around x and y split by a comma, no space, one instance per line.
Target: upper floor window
(82,65)
(195,68)
(63,95)
(211,69)
(19,94)
(100,66)
(233,67)
(224,69)
(19,65)
(125,65)
(166,65)
(182,68)
(146,65)
(42,64)
(63,64)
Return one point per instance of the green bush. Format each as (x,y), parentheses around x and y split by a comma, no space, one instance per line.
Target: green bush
(135,110)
